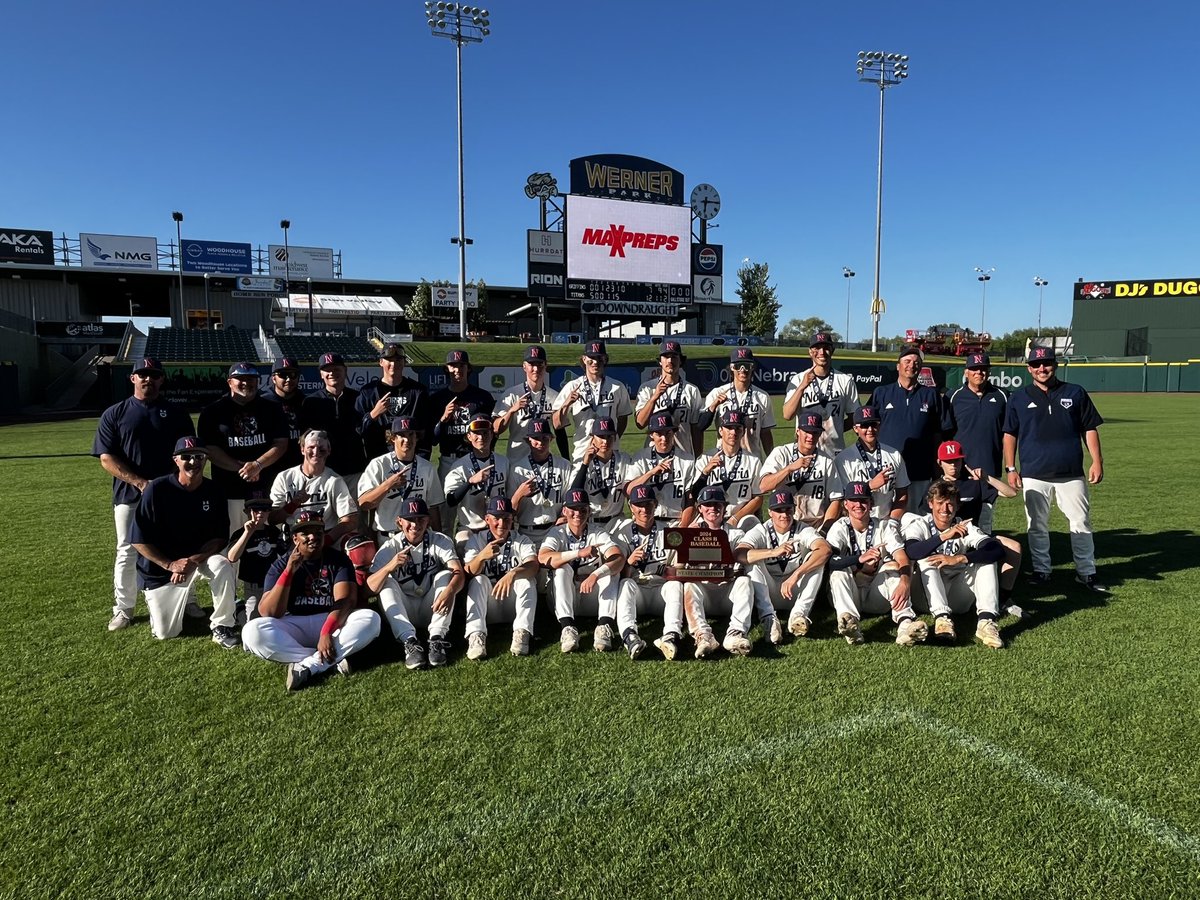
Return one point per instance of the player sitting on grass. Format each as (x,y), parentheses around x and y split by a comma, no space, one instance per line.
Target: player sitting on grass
(502,566)
(307,615)
(644,589)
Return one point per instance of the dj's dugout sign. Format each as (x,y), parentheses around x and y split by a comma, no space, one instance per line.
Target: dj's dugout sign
(1166,287)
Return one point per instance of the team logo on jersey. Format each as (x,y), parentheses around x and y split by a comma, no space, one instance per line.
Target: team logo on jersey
(1066,403)
(162,413)
(205,506)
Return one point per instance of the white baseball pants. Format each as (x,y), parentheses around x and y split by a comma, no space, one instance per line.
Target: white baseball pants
(569,601)
(768,592)
(405,611)
(871,598)
(654,596)
(518,607)
(293,639)
(735,599)
(961,588)
(1071,495)
(125,589)
(167,603)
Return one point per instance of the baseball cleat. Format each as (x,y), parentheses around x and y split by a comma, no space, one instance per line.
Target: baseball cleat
(848,628)
(603,639)
(1037,579)
(438,645)
(1015,611)
(569,639)
(194,610)
(799,625)
(520,643)
(297,676)
(120,620)
(943,628)
(414,654)
(737,643)
(773,629)
(988,634)
(226,637)
(345,668)
(477,645)
(668,645)
(1092,584)
(706,644)
(911,631)
(634,644)
(239,614)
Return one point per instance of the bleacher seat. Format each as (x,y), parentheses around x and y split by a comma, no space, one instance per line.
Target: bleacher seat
(192,345)
(309,347)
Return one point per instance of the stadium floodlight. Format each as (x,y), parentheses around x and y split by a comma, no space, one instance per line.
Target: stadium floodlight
(847,273)
(178,217)
(467,25)
(985,275)
(1040,283)
(884,70)
(285,224)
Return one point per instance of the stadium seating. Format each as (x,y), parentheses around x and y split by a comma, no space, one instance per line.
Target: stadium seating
(190,345)
(307,347)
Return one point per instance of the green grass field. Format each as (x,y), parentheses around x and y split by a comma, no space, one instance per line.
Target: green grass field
(1062,766)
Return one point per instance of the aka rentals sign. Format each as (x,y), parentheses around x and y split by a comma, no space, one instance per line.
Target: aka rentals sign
(117,251)
(24,245)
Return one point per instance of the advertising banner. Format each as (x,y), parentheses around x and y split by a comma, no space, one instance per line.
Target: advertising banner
(620,177)
(707,288)
(442,297)
(546,247)
(707,259)
(25,245)
(301,262)
(217,257)
(547,280)
(117,251)
(1162,287)
(82,331)
(617,240)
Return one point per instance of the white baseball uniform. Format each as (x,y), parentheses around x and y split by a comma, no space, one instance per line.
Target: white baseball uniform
(540,405)
(605,482)
(473,506)
(327,495)
(857,592)
(813,486)
(647,591)
(954,589)
(408,593)
(564,582)
(541,508)
(607,400)
(739,475)
(857,463)
(769,574)
(682,401)
(733,598)
(520,605)
(421,480)
(670,487)
(754,404)
(835,396)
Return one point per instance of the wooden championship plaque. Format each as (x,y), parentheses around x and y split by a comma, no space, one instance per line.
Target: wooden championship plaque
(702,554)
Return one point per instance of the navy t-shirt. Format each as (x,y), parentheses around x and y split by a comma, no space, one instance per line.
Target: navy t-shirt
(338,417)
(452,435)
(245,432)
(290,408)
(312,585)
(177,522)
(972,495)
(408,398)
(266,545)
(980,423)
(1049,427)
(144,435)
(912,421)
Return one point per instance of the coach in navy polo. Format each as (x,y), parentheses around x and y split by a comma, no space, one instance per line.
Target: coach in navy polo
(134,441)
(913,418)
(1044,425)
(979,408)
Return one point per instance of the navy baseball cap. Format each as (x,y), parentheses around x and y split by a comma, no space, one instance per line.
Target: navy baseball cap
(309,520)
(328,360)
(710,495)
(669,347)
(811,422)
(1041,355)
(741,355)
(857,490)
(535,354)
(577,497)
(257,503)
(733,418)
(392,351)
(605,428)
(781,499)
(820,339)
(458,358)
(286,364)
(499,506)
(540,428)
(243,369)
(414,508)
(866,415)
(978,361)
(908,350)
(480,422)
(661,422)
(402,424)
(643,493)
(149,364)
(595,349)
(189,445)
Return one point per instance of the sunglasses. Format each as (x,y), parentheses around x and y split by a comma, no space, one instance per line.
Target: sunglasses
(193,457)
(1043,365)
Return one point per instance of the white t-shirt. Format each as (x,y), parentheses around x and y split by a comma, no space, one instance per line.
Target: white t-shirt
(760,415)
(559,539)
(551,478)
(605,482)
(473,506)
(855,463)
(327,494)
(607,400)
(835,395)
(765,537)
(422,481)
(427,557)
(517,551)
(845,540)
(738,474)
(683,401)
(630,538)
(540,405)
(671,487)
(812,486)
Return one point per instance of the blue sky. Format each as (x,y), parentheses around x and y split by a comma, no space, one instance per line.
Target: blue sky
(1052,139)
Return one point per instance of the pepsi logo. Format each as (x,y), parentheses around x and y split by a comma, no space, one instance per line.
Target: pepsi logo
(707,259)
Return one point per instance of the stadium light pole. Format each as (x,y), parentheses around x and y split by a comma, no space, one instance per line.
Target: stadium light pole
(285,224)
(885,70)
(1041,283)
(985,275)
(178,217)
(207,306)
(310,305)
(463,25)
(847,273)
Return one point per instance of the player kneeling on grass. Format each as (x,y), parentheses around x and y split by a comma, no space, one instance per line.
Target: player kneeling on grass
(307,615)
(644,588)
(788,564)
(956,563)
(256,545)
(584,564)
(502,566)
(178,530)
(870,572)
(703,599)
(417,575)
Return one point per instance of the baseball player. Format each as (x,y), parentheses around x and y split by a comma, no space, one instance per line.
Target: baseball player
(586,401)
(134,442)
(254,547)
(870,573)
(644,589)
(308,618)
(417,574)
(584,565)
(788,564)
(283,391)
(528,403)
(388,397)
(957,564)
(314,487)
(735,469)
(397,475)
(332,408)
(1044,424)
(501,566)
(876,463)
(703,599)
(178,530)
(478,477)
(541,480)
(808,471)
(979,408)
(669,469)
(832,395)
(603,473)
(456,405)
(671,393)
(913,418)
(742,396)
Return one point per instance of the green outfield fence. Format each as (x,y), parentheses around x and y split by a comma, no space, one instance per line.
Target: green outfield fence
(1098,377)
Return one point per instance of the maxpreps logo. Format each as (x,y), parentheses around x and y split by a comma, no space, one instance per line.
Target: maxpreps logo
(616,237)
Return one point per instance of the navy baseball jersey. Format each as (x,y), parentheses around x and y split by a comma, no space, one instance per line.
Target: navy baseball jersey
(405,398)
(290,408)
(451,435)
(913,421)
(1049,426)
(338,417)
(144,435)
(177,522)
(312,585)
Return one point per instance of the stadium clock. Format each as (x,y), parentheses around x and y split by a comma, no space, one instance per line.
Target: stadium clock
(706,202)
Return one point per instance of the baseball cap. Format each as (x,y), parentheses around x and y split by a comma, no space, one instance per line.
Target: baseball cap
(781,499)
(480,422)
(243,369)
(535,354)
(499,506)
(392,351)
(188,444)
(605,428)
(669,347)
(257,503)
(950,450)
(866,415)
(908,350)
(458,358)
(733,418)
(331,359)
(741,355)
(1041,355)
(309,520)
(661,422)
(540,428)
(711,494)
(414,508)
(978,361)
(149,364)
(643,493)
(401,424)
(595,348)
(577,497)
(286,364)
(857,490)
(820,338)
(811,422)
